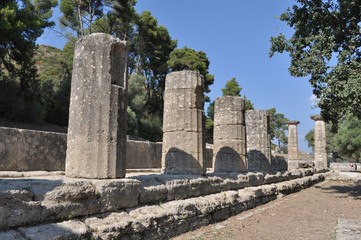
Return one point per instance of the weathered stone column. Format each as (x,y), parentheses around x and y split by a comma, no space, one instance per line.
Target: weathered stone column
(292,140)
(96,142)
(320,142)
(229,147)
(183,123)
(258,141)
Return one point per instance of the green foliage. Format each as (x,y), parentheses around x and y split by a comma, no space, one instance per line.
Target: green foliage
(189,59)
(232,88)
(326,47)
(151,128)
(278,126)
(209,127)
(347,140)
(22,22)
(310,138)
(79,15)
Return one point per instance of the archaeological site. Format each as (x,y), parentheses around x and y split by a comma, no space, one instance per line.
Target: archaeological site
(94,183)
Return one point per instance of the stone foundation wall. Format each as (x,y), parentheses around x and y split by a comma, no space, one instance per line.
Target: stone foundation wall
(345,167)
(139,207)
(31,150)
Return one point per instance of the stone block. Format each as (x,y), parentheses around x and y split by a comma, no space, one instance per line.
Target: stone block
(180,162)
(230,146)
(184,79)
(222,132)
(97,116)
(229,104)
(187,142)
(230,118)
(183,119)
(71,229)
(183,98)
(117,194)
(229,156)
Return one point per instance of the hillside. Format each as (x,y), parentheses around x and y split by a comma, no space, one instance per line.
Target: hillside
(50,64)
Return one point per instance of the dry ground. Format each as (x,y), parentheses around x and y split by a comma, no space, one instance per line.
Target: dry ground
(309,214)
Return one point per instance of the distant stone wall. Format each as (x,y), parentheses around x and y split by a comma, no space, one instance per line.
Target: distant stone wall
(142,154)
(344,166)
(29,150)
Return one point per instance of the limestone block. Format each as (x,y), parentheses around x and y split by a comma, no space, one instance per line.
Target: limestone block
(230,146)
(184,79)
(183,119)
(230,118)
(183,98)
(187,142)
(230,156)
(64,230)
(97,116)
(117,194)
(237,132)
(183,142)
(229,104)
(11,235)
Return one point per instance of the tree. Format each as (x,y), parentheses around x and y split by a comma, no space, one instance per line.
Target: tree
(22,22)
(310,138)
(233,89)
(79,15)
(278,126)
(188,59)
(326,47)
(347,140)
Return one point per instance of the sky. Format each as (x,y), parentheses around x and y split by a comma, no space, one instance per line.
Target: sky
(235,35)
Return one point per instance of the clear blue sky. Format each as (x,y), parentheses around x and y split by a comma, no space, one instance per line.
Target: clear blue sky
(235,35)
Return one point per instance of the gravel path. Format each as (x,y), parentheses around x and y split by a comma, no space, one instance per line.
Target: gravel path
(310,214)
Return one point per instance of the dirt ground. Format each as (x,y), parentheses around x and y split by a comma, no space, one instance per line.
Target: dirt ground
(309,214)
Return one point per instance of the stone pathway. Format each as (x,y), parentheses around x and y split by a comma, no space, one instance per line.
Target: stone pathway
(329,210)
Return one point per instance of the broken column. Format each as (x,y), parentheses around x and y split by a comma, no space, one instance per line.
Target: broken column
(320,142)
(292,140)
(258,141)
(96,142)
(229,147)
(183,123)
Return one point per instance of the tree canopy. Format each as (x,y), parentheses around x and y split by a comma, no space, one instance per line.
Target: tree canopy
(189,59)
(278,126)
(22,22)
(325,46)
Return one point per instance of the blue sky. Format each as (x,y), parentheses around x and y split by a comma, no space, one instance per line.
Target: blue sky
(235,35)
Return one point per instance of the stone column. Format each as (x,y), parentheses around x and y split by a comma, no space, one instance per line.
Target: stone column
(292,140)
(96,142)
(229,147)
(258,141)
(320,142)
(183,123)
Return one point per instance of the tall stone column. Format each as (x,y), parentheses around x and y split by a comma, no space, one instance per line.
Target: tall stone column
(292,140)
(183,123)
(258,141)
(320,142)
(96,142)
(229,147)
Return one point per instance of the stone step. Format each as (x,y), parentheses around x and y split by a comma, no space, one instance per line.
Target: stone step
(162,220)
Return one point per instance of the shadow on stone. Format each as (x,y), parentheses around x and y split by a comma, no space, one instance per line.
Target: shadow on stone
(279,164)
(258,162)
(229,160)
(179,162)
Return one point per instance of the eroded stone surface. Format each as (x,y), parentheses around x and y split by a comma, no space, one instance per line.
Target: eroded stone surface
(183,147)
(320,141)
(96,144)
(292,140)
(258,141)
(229,148)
